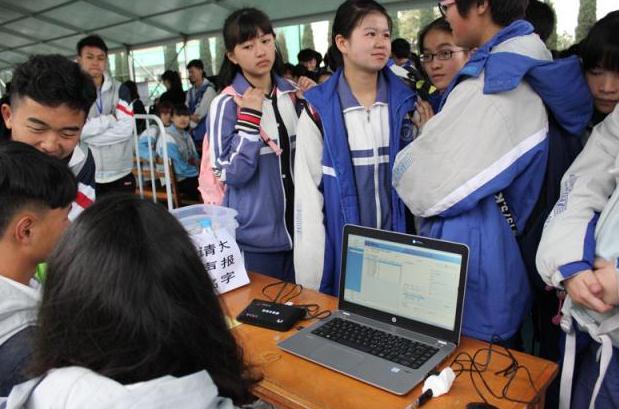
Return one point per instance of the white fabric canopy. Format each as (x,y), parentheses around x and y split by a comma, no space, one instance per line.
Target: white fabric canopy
(54,26)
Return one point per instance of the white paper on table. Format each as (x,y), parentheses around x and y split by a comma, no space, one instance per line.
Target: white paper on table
(222,259)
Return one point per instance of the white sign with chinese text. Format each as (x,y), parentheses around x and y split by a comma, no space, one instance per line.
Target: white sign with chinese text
(222,258)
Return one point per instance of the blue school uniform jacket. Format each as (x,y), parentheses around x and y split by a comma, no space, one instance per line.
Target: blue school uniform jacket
(490,140)
(340,182)
(257,180)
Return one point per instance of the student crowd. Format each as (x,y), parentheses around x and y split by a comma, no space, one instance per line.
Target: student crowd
(484,137)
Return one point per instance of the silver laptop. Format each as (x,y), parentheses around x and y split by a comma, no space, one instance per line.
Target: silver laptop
(400,309)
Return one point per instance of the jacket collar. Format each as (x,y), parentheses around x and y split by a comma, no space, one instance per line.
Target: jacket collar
(240,84)
(477,62)
(504,71)
(107,82)
(348,99)
(77,157)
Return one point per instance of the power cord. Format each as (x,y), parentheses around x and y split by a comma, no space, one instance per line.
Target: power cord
(476,365)
(288,292)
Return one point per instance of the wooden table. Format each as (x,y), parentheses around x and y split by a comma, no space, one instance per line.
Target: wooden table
(292,382)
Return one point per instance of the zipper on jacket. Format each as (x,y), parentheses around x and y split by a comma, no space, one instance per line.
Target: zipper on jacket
(285,163)
(376,169)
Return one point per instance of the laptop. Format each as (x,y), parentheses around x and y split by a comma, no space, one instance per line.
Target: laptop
(399,311)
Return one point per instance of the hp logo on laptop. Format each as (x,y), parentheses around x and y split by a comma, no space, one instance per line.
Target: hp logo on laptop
(394,319)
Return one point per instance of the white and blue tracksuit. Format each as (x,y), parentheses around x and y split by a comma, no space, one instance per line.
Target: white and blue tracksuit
(181,150)
(343,171)
(583,226)
(490,138)
(259,183)
(147,139)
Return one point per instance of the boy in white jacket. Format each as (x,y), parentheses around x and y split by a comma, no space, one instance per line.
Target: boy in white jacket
(109,128)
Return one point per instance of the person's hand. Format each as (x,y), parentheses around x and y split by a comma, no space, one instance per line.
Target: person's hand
(252,99)
(606,273)
(304,84)
(424,111)
(585,289)
(194,118)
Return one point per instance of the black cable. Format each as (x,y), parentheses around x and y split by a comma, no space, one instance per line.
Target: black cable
(289,292)
(475,365)
(281,297)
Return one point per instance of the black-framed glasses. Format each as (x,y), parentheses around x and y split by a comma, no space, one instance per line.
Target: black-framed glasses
(443,5)
(442,55)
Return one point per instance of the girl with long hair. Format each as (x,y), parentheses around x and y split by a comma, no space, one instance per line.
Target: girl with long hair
(251,128)
(129,318)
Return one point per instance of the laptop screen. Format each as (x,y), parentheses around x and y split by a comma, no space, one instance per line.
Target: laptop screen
(413,282)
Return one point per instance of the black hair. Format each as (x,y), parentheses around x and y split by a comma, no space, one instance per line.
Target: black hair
(181,110)
(323,71)
(348,16)
(401,48)
(242,25)
(92,40)
(503,12)
(196,64)
(127,296)
(133,89)
(165,107)
(543,18)
(174,78)
(53,80)
(300,70)
(31,178)
(440,24)
(287,67)
(600,48)
(307,54)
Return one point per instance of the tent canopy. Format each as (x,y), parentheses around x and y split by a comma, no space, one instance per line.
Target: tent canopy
(55,26)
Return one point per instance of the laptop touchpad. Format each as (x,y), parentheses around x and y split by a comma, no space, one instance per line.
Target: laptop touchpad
(337,357)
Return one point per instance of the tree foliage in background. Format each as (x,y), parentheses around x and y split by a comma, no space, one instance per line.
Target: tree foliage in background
(426,16)
(307,40)
(205,56)
(282,46)
(412,21)
(586,18)
(395,27)
(551,43)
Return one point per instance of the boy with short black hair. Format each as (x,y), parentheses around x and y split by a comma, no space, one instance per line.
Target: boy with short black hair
(198,99)
(475,172)
(542,16)
(109,129)
(401,52)
(34,206)
(49,101)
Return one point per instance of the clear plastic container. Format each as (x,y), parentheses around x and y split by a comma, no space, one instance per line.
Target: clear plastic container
(221,217)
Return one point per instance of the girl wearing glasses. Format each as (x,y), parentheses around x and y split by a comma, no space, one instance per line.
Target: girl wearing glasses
(345,154)
(440,57)
(441,60)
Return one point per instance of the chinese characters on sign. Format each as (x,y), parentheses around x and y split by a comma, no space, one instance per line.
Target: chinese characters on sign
(222,259)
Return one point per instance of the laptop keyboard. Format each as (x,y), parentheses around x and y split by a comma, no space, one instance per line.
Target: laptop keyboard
(375,342)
